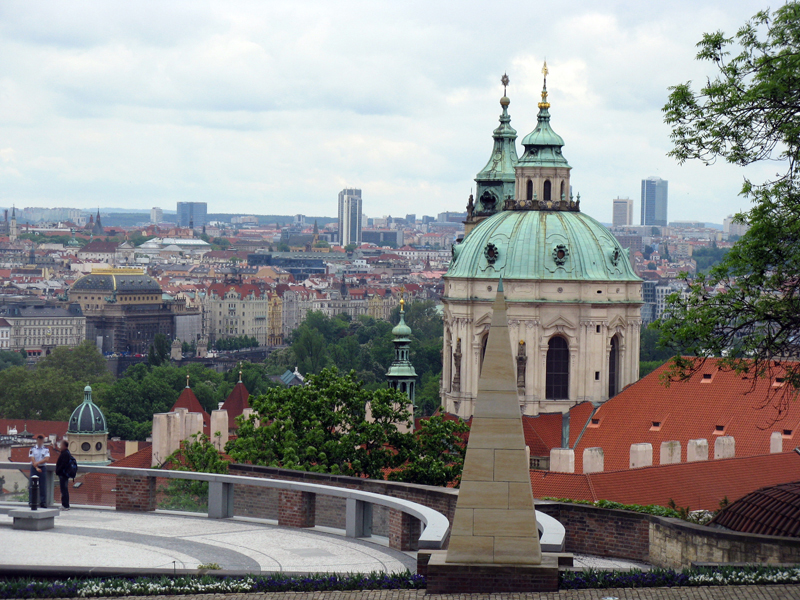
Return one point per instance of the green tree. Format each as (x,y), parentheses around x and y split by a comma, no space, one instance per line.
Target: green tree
(199,455)
(349,248)
(9,358)
(438,453)
(747,113)
(310,350)
(159,350)
(283,247)
(322,426)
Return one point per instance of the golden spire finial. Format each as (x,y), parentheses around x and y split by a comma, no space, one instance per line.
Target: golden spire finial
(402,304)
(544,103)
(187,380)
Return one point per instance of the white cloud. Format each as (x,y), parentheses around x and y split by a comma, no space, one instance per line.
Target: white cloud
(273,107)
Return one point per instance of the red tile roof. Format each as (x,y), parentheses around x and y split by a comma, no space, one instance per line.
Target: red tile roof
(698,485)
(189,401)
(235,403)
(46,428)
(684,410)
(143,459)
(771,510)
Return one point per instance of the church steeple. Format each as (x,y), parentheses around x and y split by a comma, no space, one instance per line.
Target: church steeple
(542,174)
(496,180)
(401,374)
(543,145)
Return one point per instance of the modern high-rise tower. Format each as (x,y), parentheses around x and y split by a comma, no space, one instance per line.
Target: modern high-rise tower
(349,216)
(654,201)
(623,212)
(156,215)
(192,214)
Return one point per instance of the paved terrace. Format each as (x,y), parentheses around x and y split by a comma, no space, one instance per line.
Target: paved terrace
(97,537)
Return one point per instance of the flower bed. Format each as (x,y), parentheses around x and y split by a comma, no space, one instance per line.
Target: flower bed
(755,575)
(204,584)
(209,584)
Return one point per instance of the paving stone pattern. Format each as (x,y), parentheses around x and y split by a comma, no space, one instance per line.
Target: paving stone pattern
(745,592)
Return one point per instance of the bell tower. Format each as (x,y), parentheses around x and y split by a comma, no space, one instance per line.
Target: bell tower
(495,182)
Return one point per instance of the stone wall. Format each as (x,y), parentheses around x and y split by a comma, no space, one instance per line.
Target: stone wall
(664,542)
(603,532)
(136,493)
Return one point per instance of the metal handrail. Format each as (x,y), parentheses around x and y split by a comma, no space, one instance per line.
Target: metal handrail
(433,536)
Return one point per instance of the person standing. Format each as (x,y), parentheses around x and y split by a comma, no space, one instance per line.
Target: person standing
(62,470)
(39,456)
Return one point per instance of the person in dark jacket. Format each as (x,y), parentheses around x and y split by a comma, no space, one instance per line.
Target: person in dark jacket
(62,470)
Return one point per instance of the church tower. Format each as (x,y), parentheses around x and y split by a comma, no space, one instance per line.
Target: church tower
(401,374)
(574,301)
(12,228)
(496,180)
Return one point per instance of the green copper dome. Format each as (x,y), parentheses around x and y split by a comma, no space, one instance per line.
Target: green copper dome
(557,245)
(401,330)
(87,418)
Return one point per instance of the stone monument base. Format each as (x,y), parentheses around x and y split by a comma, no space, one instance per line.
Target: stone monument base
(466,578)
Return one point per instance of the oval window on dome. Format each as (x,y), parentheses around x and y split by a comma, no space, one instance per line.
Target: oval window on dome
(86,446)
(98,446)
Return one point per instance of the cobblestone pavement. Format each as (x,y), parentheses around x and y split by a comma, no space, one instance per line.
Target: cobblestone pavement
(743,592)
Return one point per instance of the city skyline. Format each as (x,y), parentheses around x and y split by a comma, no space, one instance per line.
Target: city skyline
(117,109)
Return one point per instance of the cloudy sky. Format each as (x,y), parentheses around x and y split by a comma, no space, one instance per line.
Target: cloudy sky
(273,107)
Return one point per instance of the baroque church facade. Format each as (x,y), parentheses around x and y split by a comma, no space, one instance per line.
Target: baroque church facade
(573,299)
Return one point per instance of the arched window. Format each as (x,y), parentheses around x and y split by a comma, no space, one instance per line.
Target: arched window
(556,385)
(613,368)
(547,189)
(562,192)
(529,194)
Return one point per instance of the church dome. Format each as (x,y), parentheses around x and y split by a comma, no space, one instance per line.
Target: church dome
(121,280)
(87,418)
(556,245)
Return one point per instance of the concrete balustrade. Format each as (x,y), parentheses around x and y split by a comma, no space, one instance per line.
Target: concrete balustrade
(724,447)
(136,491)
(776,442)
(670,452)
(562,460)
(697,450)
(641,456)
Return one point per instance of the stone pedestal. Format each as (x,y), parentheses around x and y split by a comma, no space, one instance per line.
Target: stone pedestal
(465,578)
(34,520)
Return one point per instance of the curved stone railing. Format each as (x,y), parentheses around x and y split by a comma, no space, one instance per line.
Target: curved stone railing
(140,484)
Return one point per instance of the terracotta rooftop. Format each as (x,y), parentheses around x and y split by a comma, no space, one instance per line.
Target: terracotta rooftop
(189,401)
(768,511)
(235,403)
(46,428)
(709,404)
(698,485)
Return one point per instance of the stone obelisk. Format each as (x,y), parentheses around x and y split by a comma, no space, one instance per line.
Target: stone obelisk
(494,541)
(495,521)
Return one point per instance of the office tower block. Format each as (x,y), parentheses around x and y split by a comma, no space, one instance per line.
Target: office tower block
(623,212)
(654,201)
(156,215)
(350,217)
(192,214)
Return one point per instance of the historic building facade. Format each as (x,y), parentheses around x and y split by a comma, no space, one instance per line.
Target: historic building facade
(39,327)
(124,309)
(234,310)
(573,298)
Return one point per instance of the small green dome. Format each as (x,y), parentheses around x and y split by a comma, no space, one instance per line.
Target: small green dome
(557,245)
(401,329)
(87,418)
